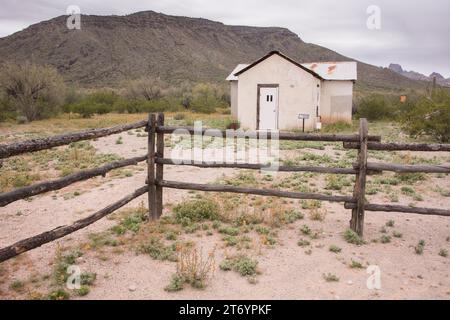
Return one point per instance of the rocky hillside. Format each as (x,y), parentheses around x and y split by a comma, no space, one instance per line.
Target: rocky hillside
(110,49)
(419,76)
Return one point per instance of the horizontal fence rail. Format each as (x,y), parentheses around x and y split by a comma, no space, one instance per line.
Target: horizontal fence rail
(402,209)
(400,146)
(257,134)
(399,168)
(49,236)
(253,191)
(35,189)
(13,149)
(251,166)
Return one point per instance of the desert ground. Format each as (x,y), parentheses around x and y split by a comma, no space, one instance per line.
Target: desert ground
(276,248)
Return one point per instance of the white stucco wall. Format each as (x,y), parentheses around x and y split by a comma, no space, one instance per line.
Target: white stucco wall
(298,93)
(336,101)
(234,98)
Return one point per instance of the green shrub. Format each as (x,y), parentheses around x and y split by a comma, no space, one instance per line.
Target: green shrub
(158,251)
(430,116)
(352,237)
(241,264)
(335,249)
(59,294)
(376,107)
(196,210)
(176,283)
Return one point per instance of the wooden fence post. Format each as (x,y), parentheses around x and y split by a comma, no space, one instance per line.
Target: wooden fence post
(151,167)
(359,193)
(159,167)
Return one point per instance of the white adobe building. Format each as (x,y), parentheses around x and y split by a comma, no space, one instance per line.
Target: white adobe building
(278,93)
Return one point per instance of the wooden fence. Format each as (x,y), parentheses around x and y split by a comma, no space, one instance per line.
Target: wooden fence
(156,161)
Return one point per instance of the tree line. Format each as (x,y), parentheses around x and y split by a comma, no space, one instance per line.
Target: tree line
(31,92)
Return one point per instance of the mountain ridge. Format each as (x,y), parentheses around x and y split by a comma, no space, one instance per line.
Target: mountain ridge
(414,75)
(110,49)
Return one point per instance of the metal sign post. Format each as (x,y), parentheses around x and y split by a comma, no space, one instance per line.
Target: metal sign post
(303,117)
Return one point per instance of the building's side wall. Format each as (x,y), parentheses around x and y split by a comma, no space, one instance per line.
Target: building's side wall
(336,101)
(234,98)
(298,93)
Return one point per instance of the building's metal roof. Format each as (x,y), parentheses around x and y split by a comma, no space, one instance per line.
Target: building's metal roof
(239,67)
(334,70)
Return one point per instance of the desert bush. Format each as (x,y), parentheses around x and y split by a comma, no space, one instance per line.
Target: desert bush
(206,98)
(196,210)
(429,116)
(376,107)
(241,264)
(145,88)
(35,91)
(352,237)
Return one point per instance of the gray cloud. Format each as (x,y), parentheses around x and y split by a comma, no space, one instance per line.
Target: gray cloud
(414,33)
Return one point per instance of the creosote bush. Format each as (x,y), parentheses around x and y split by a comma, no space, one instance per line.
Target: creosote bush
(241,264)
(196,211)
(352,237)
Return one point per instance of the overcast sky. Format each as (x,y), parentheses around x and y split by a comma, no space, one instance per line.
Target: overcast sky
(414,33)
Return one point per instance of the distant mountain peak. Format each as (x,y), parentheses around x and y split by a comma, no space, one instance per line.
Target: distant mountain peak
(396,67)
(419,76)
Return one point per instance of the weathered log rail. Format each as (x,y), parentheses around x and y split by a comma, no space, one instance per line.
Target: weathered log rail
(33,145)
(49,236)
(156,129)
(13,149)
(43,187)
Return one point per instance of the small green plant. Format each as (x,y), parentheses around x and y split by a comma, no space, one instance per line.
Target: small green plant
(176,283)
(262,230)
(59,294)
(158,251)
(352,237)
(335,249)
(84,290)
(317,214)
(443,253)
(88,278)
(410,178)
(397,234)
(196,210)
(303,243)
(420,247)
(241,264)
(290,216)
(230,241)
(329,277)
(385,238)
(305,230)
(171,235)
(17,285)
(390,223)
(356,265)
(231,231)
(408,191)
(119,140)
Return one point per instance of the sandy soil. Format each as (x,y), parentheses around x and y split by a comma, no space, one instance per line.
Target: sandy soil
(287,271)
